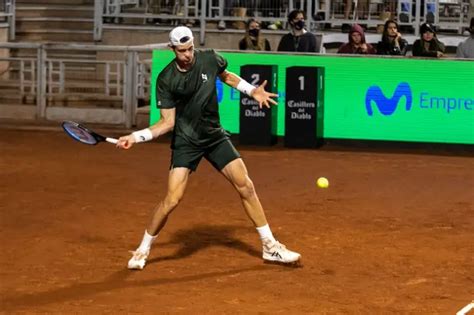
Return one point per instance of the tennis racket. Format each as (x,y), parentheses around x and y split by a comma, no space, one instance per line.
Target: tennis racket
(80,133)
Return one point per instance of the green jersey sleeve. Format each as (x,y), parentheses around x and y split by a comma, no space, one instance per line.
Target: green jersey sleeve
(221,63)
(164,97)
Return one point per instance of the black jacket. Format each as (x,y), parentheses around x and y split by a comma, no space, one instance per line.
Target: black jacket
(303,43)
(432,51)
(389,48)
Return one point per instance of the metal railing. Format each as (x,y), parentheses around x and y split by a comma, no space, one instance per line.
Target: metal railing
(7,12)
(450,14)
(44,79)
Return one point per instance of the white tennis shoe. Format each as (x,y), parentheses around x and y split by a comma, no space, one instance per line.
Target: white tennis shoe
(278,253)
(138,260)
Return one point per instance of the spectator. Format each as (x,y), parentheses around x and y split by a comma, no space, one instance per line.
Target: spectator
(466,48)
(428,45)
(392,42)
(253,39)
(356,44)
(298,39)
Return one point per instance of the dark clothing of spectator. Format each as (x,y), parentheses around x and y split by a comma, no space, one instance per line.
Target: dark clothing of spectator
(352,48)
(247,43)
(389,48)
(303,43)
(422,48)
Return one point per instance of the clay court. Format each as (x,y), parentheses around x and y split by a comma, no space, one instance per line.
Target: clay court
(393,234)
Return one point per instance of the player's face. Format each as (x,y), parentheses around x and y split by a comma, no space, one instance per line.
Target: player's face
(184,54)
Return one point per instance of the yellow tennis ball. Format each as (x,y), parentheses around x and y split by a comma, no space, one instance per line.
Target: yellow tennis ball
(323,182)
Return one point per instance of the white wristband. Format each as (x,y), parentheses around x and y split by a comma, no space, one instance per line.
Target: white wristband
(142,135)
(245,87)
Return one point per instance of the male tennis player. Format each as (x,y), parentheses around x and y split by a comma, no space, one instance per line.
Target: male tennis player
(187,98)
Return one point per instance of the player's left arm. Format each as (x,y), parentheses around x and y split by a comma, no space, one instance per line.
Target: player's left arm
(258,93)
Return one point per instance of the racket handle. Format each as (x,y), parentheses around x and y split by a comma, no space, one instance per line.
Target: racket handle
(111,140)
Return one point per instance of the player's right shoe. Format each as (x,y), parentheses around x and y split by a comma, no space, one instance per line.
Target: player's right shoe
(276,252)
(138,260)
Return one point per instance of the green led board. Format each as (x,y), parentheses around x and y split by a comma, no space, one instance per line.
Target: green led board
(366,98)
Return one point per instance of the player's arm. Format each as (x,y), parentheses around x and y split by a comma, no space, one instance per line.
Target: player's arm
(258,93)
(164,125)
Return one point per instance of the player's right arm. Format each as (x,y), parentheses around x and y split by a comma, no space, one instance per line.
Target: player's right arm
(164,125)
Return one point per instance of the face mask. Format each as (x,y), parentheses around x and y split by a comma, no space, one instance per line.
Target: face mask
(299,25)
(254,32)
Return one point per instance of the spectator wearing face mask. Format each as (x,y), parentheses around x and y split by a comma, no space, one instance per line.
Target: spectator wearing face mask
(253,39)
(298,39)
(428,45)
(356,44)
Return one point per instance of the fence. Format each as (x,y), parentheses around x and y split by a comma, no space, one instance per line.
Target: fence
(7,12)
(59,87)
(448,14)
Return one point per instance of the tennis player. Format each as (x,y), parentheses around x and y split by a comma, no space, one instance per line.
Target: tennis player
(187,98)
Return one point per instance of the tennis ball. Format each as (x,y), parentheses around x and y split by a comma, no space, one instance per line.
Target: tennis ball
(323,182)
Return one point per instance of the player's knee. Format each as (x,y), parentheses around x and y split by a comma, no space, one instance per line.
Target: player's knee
(171,201)
(246,189)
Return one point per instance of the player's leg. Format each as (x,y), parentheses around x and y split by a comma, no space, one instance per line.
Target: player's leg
(227,160)
(177,180)
(237,174)
(273,251)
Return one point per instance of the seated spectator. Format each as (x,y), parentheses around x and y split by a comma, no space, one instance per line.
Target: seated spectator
(466,48)
(298,39)
(392,42)
(253,39)
(428,45)
(356,44)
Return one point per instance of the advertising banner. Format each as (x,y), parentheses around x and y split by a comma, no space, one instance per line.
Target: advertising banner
(366,98)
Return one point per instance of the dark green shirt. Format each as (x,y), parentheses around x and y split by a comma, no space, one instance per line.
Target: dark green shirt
(193,94)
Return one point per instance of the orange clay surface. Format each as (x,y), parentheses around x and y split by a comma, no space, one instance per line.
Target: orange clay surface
(393,233)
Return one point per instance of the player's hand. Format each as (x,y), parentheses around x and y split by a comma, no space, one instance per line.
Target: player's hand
(126,142)
(439,54)
(263,97)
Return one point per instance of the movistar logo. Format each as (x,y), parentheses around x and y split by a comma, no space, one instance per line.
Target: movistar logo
(387,106)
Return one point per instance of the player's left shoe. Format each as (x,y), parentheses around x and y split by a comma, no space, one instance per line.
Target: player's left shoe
(276,252)
(138,260)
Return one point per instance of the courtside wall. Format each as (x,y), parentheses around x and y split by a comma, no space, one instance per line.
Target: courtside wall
(365,98)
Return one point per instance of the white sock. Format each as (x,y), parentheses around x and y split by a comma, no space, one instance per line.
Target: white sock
(266,234)
(146,242)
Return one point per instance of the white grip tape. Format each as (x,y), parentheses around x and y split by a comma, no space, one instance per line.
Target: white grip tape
(142,135)
(245,87)
(111,140)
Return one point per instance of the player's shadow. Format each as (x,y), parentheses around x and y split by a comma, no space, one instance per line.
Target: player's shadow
(203,236)
(191,241)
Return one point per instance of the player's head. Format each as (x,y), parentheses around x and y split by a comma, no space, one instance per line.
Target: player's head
(182,43)
(471,26)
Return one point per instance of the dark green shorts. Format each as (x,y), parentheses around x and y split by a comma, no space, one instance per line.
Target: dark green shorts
(189,156)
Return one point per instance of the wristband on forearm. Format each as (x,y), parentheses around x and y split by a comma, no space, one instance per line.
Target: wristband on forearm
(245,87)
(142,135)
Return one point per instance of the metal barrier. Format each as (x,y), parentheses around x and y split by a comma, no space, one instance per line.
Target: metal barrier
(449,14)
(7,12)
(43,80)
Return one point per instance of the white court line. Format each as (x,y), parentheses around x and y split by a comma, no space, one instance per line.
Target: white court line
(466,309)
